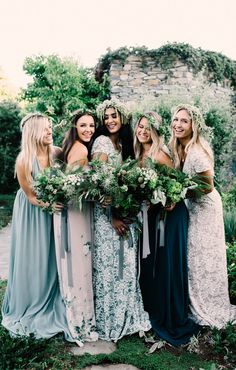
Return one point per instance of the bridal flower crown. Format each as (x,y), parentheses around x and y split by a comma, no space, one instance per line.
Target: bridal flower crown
(117,105)
(196,117)
(153,122)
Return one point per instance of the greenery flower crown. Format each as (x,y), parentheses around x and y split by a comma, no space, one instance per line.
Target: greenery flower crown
(196,117)
(66,123)
(153,122)
(117,105)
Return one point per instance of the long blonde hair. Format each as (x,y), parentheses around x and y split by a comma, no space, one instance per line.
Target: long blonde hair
(157,140)
(32,126)
(198,129)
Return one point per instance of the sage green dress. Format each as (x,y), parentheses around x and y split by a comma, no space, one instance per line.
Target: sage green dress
(32,302)
(118,301)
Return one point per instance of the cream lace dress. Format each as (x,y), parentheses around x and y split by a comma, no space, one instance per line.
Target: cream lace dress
(118,302)
(208,282)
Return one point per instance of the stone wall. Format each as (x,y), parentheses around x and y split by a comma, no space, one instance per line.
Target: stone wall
(139,76)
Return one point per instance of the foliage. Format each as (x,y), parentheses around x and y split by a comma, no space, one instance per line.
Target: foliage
(229,198)
(222,126)
(10,116)
(50,187)
(229,202)
(225,342)
(219,66)
(6,206)
(230,225)
(231,263)
(126,185)
(61,86)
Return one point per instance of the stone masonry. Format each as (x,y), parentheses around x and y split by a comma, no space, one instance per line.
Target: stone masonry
(139,76)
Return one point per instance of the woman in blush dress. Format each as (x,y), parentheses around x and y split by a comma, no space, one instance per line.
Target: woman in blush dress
(208,282)
(73,235)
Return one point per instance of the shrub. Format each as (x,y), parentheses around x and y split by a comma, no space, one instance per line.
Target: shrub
(225,342)
(231,263)
(10,116)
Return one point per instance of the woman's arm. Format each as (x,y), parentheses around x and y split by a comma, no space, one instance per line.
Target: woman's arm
(78,154)
(163,158)
(207,178)
(25,185)
(100,156)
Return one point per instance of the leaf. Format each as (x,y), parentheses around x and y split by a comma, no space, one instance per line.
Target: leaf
(156,345)
(141,334)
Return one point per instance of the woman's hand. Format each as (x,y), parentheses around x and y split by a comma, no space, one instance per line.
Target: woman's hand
(106,202)
(120,227)
(170,207)
(58,207)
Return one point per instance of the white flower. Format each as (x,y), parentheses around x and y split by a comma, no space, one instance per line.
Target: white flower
(158,196)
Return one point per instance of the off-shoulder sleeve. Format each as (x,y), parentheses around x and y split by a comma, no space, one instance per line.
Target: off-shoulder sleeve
(201,161)
(102,145)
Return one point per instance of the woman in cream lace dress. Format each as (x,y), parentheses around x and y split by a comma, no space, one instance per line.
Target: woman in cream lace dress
(208,282)
(118,301)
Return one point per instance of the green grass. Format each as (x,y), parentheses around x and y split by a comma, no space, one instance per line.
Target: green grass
(6,205)
(28,353)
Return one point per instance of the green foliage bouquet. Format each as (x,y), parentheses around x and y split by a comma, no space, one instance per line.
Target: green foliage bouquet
(49,187)
(154,183)
(53,185)
(123,186)
(98,183)
(172,185)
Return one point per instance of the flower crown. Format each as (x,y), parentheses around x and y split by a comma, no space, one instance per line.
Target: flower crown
(117,105)
(66,123)
(29,116)
(153,122)
(196,117)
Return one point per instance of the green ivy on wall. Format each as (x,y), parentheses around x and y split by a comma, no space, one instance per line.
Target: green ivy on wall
(219,66)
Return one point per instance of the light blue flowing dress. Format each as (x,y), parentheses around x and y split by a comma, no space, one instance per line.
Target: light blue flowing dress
(32,302)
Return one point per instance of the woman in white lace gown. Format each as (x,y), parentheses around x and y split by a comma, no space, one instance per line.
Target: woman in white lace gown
(118,301)
(208,282)
(73,238)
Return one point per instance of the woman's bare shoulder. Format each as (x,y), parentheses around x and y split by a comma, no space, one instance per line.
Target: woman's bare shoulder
(163,158)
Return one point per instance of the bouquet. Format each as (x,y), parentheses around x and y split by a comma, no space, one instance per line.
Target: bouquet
(97,182)
(153,183)
(172,185)
(49,187)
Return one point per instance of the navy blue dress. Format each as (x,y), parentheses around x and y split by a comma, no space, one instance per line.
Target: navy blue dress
(164,277)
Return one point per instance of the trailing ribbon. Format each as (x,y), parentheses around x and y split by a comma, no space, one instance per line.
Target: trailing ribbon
(121,258)
(159,237)
(91,210)
(121,251)
(161,228)
(66,245)
(146,246)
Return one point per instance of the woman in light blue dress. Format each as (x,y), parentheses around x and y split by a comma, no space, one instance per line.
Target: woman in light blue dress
(32,302)
(118,302)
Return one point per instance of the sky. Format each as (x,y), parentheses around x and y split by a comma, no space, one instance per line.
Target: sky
(84,29)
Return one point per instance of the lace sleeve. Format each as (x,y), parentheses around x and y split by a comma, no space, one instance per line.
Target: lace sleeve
(201,161)
(102,145)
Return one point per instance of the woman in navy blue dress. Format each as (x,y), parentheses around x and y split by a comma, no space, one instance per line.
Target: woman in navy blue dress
(164,273)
